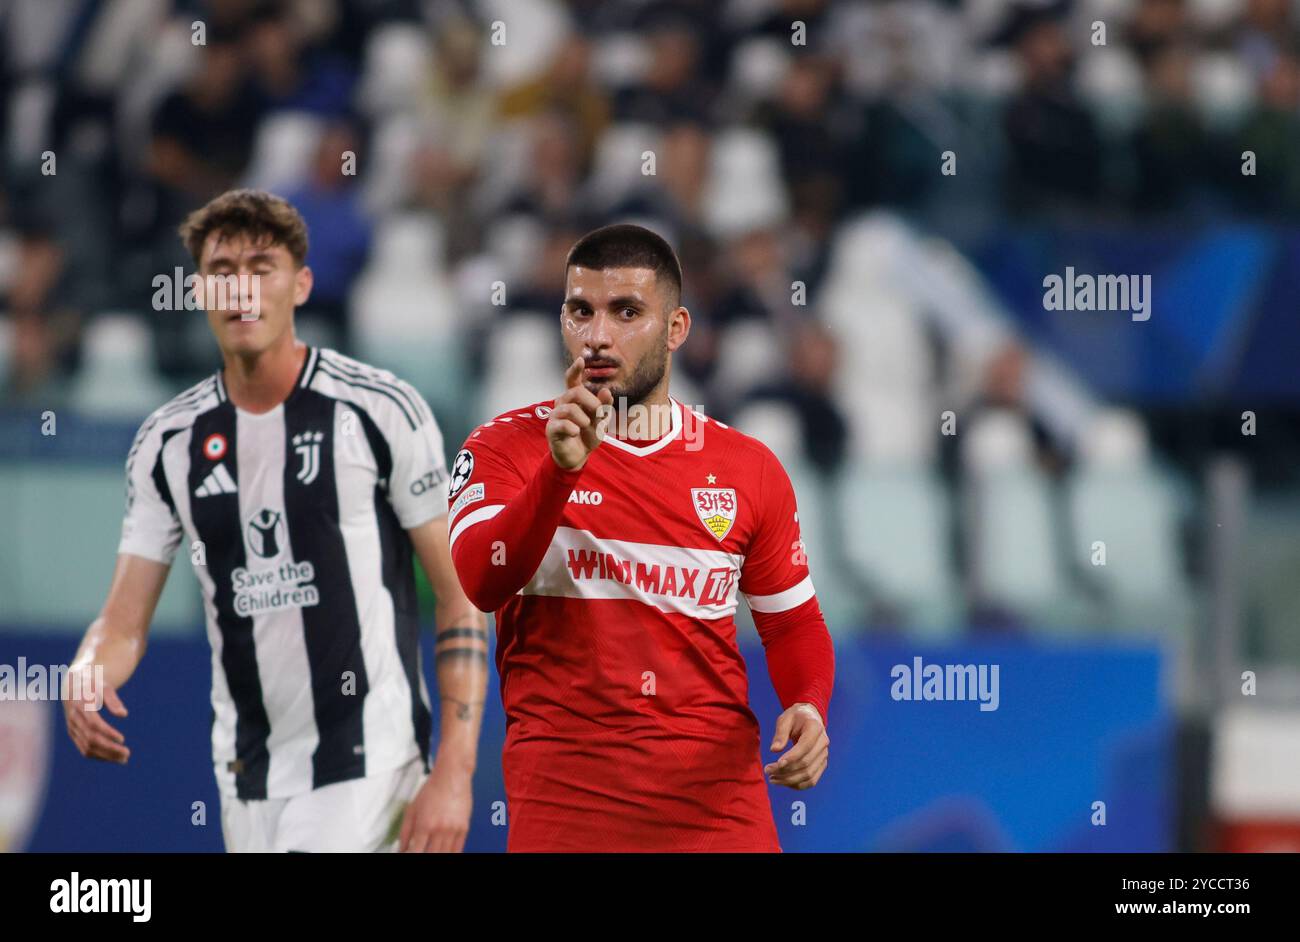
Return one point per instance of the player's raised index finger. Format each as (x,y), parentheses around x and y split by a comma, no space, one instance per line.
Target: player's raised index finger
(573,375)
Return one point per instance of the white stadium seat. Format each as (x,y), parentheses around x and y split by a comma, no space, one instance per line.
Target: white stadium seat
(753,355)
(283,151)
(897,528)
(842,601)
(404,311)
(395,68)
(522,366)
(118,347)
(1117,498)
(744,190)
(1012,550)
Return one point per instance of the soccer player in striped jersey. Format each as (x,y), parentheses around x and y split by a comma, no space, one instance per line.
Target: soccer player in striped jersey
(301,484)
(613,557)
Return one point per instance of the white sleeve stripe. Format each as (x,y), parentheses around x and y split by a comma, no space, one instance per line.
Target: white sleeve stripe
(792,597)
(477,516)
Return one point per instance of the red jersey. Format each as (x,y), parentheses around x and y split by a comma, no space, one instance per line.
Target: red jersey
(627,706)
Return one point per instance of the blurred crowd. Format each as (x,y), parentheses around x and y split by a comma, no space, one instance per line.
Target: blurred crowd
(748,130)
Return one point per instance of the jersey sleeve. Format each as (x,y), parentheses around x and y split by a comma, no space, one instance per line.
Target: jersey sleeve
(507,498)
(150,527)
(775,576)
(484,476)
(779,590)
(417,488)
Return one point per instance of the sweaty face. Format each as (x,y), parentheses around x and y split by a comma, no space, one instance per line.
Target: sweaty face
(617,320)
(249,291)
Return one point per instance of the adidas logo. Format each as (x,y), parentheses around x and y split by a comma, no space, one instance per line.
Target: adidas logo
(218,482)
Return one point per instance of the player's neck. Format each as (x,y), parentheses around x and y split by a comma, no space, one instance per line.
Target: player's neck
(643,422)
(259,383)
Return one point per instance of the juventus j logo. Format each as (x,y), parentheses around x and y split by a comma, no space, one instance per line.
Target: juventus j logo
(307,445)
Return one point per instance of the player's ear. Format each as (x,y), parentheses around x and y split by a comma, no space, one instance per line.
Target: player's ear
(679,325)
(302,282)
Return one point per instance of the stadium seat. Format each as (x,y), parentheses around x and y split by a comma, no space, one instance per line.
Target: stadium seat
(867,297)
(886,377)
(284,151)
(776,426)
(1013,558)
(535,33)
(885,343)
(404,310)
(616,166)
(522,366)
(619,60)
(839,594)
(757,67)
(1111,79)
(1211,15)
(897,525)
(395,68)
(891,428)
(1222,87)
(504,167)
(118,345)
(386,173)
(753,355)
(1117,498)
(994,73)
(512,244)
(744,190)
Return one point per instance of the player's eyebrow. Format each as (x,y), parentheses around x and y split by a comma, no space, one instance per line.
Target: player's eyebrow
(581,303)
(257,258)
(627,301)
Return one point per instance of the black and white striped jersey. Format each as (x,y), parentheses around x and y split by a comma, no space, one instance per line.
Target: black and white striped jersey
(294,521)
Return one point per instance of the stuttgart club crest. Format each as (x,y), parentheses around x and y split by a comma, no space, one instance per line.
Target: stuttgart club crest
(716,507)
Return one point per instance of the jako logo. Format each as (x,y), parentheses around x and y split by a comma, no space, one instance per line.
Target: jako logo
(1098,293)
(102,896)
(946,682)
(586,497)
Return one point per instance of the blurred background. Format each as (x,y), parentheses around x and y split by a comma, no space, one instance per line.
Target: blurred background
(866,197)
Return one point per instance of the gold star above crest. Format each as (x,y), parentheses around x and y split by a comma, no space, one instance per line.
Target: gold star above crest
(712,479)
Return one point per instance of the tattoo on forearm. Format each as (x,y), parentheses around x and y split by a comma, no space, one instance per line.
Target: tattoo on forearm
(479,634)
(464,711)
(471,654)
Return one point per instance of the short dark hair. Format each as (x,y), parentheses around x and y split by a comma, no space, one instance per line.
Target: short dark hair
(261,216)
(624,245)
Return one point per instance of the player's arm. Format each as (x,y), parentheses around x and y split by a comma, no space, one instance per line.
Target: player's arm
(109,654)
(115,641)
(439,819)
(796,643)
(497,547)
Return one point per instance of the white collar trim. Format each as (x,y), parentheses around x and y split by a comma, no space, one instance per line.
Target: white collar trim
(642,450)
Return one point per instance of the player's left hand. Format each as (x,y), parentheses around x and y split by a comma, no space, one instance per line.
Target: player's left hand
(803,765)
(437,819)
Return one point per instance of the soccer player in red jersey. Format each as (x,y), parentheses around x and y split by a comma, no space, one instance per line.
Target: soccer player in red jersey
(612,531)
